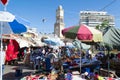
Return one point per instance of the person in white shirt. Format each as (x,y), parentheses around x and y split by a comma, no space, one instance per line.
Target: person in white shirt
(3,59)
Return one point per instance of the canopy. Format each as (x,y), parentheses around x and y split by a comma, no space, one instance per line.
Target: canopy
(111,37)
(83,33)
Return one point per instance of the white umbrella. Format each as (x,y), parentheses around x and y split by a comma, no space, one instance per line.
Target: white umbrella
(6,16)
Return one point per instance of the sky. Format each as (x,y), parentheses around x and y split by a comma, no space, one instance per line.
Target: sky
(35,11)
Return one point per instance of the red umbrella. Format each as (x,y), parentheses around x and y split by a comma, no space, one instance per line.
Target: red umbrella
(83,33)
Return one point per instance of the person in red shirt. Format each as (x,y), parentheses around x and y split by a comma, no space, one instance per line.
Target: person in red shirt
(96,76)
(111,77)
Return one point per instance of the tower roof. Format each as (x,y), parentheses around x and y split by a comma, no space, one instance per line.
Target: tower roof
(60,7)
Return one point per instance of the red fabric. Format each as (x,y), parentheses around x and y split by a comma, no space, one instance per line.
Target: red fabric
(12,50)
(4,2)
(66,29)
(118,55)
(84,33)
(110,78)
(96,76)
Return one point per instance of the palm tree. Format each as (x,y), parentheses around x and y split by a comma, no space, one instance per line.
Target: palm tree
(103,25)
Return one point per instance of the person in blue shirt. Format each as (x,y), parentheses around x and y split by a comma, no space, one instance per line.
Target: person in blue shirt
(68,52)
(69,75)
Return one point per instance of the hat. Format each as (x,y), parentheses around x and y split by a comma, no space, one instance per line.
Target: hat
(86,73)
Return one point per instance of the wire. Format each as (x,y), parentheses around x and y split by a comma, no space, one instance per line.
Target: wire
(73,12)
(107,5)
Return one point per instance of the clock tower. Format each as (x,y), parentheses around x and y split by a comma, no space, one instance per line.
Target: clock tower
(59,24)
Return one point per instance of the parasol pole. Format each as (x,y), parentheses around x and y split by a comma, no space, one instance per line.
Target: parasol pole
(4,2)
(108,65)
(1,24)
(5,8)
(80,58)
(80,62)
(77,43)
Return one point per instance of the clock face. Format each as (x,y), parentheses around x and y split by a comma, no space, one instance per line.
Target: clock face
(57,28)
(58,21)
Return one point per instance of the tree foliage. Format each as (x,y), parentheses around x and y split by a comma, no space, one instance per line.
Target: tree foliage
(103,25)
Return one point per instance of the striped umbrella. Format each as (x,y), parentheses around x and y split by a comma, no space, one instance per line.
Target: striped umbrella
(83,33)
(11,24)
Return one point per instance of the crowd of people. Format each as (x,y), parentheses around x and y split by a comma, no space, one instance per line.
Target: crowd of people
(51,59)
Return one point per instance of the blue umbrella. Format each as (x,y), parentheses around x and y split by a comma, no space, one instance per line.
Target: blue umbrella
(51,42)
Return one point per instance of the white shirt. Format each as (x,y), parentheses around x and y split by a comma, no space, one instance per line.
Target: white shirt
(3,57)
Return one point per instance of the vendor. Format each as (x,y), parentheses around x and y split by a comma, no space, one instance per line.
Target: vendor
(27,57)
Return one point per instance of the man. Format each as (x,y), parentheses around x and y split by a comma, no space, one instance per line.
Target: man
(3,59)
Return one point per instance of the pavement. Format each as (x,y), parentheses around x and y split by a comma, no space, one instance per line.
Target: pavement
(10,71)
(77,77)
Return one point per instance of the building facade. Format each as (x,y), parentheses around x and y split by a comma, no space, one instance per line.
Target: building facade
(94,18)
(59,24)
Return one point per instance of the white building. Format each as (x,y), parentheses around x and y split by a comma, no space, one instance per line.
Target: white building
(94,18)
